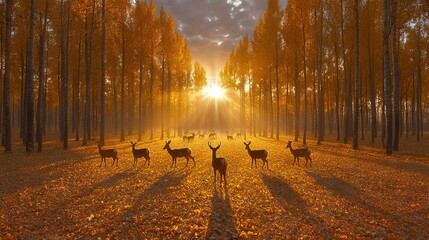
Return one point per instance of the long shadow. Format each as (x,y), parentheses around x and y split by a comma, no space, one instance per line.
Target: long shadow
(221,224)
(337,186)
(162,187)
(291,201)
(404,166)
(357,197)
(29,173)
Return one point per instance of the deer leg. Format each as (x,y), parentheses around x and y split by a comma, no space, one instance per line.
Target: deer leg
(214,170)
(266,161)
(193,159)
(187,160)
(101,162)
(297,158)
(117,161)
(311,161)
(172,162)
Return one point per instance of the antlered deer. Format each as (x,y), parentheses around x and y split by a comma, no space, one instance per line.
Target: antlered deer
(300,152)
(108,153)
(218,164)
(255,154)
(139,153)
(181,152)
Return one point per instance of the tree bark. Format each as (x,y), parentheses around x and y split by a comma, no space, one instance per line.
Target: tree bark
(103,70)
(7,123)
(357,80)
(387,80)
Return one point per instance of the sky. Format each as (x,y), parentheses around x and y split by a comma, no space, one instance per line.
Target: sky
(214,27)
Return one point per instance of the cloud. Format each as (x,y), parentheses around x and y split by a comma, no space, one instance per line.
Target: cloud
(214,27)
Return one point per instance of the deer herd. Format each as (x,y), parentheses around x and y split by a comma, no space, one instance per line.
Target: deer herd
(219,164)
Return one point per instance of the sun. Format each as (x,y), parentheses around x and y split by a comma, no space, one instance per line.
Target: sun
(214,91)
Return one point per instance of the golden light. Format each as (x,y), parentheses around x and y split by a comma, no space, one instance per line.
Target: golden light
(214,91)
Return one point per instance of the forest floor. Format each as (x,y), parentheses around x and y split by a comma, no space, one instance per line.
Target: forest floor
(351,194)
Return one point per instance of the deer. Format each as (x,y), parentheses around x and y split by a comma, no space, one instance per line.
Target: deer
(218,164)
(181,152)
(300,152)
(229,137)
(212,135)
(108,153)
(255,154)
(139,153)
(238,135)
(201,135)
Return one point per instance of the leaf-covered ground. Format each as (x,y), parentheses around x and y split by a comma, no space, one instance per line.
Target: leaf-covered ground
(345,194)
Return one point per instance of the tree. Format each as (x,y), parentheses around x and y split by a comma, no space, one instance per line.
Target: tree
(387,81)
(357,78)
(7,121)
(103,70)
(30,83)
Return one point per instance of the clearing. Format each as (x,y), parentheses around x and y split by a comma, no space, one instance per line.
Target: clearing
(345,194)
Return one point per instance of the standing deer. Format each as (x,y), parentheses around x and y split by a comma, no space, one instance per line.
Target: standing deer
(108,153)
(229,137)
(255,154)
(218,164)
(139,153)
(181,152)
(212,135)
(238,135)
(300,152)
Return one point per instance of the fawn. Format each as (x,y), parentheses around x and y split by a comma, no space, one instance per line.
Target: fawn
(181,152)
(255,154)
(300,152)
(139,153)
(218,164)
(108,153)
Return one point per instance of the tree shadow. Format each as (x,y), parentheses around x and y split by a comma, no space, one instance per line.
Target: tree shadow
(163,187)
(291,201)
(398,165)
(357,197)
(221,224)
(337,186)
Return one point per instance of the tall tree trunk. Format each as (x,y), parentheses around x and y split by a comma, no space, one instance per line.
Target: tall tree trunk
(297,99)
(419,84)
(78,92)
(357,80)
(348,102)
(304,139)
(337,94)
(168,99)
(396,86)
(7,121)
(387,81)
(103,70)
(152,77)
(30,83)
(277,89)
(162,95)
(321,125)
(88,53)
(372,83)
(140,97)
(65,80)
(123,86)
(39,117)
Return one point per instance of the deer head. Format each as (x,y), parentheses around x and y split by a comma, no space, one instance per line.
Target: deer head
(247,145)
(214,148)
(289,144)
(167,144)
(133,144)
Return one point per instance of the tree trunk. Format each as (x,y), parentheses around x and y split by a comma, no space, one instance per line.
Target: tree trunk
(30,83)
(103,70)
(297,99)
(88,52)
(396,86)
(140,99)
(123,86)
(7,121)
(39,117)
(304,139)
(357,80)
(387,81)
(321,125)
